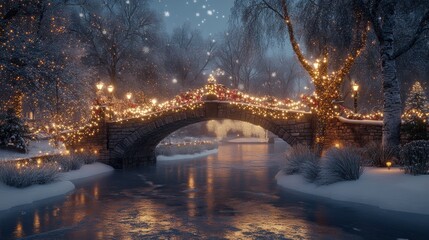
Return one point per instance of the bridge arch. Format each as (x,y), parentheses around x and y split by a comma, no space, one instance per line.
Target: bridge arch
(132,142)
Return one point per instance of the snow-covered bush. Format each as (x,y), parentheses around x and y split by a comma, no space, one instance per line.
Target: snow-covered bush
(66,162)
(310,169)
(13,132)
(87,158)
(296,157)
(376,156)
(22,176)
(343,164)
(415,157)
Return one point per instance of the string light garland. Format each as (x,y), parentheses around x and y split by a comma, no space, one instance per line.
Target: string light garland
(120,111)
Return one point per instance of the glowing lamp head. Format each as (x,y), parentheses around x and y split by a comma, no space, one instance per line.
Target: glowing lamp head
(110,88)
(355,87)
(99,86)
(129,95)
(388,164)
(154,101)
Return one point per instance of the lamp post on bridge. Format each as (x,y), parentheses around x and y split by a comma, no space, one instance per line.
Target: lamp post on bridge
(355,87)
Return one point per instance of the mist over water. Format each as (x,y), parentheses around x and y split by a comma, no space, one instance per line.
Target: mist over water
(221,128)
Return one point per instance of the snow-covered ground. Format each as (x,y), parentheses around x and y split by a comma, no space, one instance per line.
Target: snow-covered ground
(186,156)
(12,197)
(248,140)
(380,187)
(36,149)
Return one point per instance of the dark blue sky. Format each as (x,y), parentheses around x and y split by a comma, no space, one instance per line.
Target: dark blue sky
(209,16)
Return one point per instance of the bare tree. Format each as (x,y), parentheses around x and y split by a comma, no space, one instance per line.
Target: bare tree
(113,30)
(382,15)
(238,56)
(188,55)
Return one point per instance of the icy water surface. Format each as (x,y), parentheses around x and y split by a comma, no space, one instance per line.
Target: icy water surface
(228,195)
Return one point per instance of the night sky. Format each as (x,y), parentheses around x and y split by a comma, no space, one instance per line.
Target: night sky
(209,16)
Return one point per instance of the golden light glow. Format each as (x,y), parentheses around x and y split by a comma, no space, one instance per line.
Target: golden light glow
(388,164)
(129,95)
(110,88)
(99,86)
(355,86)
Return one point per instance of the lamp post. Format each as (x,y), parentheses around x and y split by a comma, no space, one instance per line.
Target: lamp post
(355,95)
(129,96)
(110,89)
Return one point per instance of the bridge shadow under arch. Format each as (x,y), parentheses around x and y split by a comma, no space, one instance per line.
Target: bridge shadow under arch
(132,142)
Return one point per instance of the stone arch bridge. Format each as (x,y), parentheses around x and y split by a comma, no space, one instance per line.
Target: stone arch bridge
(132,142)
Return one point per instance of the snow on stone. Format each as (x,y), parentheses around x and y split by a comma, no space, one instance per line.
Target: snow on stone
(186,156)
(364,122)
(380,187)
(12,197)
(36,149)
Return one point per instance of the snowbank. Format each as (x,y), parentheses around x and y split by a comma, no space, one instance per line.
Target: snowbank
(186,156)
(35,149)
(386,189)
(248,140)
(86,171)
(12,197)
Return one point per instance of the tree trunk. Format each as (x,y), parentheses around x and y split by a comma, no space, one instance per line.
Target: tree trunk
(392,97)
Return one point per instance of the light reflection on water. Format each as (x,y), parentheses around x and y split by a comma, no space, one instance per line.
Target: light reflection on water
(230,195)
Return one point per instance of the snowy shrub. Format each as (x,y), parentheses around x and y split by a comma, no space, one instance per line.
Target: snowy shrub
(13,132)
(415,157)
(26,175)
(343,164)
(376,156)
(310,169)
(296,157)
(86,158)
(66,162)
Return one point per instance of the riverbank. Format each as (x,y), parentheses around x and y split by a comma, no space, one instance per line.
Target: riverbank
(380,187)
(186,156)
(12,197)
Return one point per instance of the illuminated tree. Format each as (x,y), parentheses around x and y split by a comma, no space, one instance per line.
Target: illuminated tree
(327,82)
(416,113)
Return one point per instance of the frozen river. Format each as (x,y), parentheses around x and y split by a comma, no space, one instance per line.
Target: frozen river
(228,195)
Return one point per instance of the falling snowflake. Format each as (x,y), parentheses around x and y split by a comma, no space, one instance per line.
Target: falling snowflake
(146,49)
(166,13)
(174,80)
(210,12)
(80,14)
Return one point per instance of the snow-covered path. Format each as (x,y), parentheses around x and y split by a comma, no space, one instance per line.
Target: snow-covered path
(380,187)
